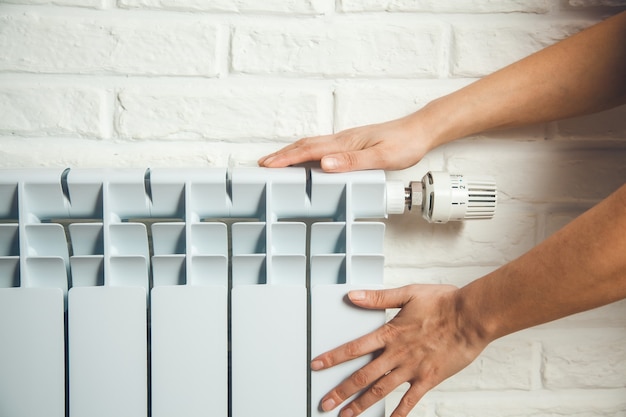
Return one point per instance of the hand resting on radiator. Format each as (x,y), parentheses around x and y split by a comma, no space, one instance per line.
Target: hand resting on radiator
(533,90)
(441,329)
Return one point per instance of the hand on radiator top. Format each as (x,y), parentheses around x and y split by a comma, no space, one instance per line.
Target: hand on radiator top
(425,343)
(530,91)
(389,145)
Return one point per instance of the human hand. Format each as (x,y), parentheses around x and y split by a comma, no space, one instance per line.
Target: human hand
(425,343)
(396,144)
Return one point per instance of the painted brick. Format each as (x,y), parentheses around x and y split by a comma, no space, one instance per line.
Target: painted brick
(458,276)
(588,360)
(543,171)
(558,220)
(594,403)
(608,124)
(454,6)
(488,242)
(362,103)
(340,49)
(99,4)
(505,364)
(291,6)
(596,3)
(28,152)
(51,111)
(609,316)
(33,43)
(222,113)
(479,50)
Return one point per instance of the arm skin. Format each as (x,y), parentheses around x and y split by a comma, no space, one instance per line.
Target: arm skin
(441,329)
(583,74)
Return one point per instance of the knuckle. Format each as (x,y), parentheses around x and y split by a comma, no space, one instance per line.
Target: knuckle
(306,148)
(350,160)
(360,378)
(327,360)
(389,332)
(357,408)
(378,391)
(341,394)
(409,401)
(353,349)
(376,297)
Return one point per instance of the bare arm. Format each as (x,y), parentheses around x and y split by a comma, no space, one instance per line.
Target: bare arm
(441,329)
(583,74)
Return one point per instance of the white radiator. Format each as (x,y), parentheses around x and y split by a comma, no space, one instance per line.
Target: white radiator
(182,292)
(201,292)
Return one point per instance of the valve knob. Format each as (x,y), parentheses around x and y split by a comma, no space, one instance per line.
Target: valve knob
(457,197)
(444,197)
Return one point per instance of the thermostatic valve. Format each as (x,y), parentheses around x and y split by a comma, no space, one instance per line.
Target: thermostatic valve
(444,197)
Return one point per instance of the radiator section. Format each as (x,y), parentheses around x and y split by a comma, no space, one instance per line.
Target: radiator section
(186,292)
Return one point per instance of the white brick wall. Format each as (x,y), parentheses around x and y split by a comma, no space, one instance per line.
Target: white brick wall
(208,83)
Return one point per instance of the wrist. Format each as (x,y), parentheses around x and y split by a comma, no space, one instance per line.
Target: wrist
(441,121)
(424,129)
(476,328)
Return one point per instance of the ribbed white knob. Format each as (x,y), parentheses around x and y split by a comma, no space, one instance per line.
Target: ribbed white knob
(482,197)
(395,197)
(458,197)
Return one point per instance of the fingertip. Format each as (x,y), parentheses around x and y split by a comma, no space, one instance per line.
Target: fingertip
(317,364)
(267,161)
(329,163)
(328,404)
(357,295)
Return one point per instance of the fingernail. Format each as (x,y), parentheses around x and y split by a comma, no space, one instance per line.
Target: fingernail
(357,295)
(330,164)
(347,413)
(267,161)
(317,365)
(328,404)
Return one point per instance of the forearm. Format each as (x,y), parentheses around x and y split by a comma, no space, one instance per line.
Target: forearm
(580,267)
(583,74)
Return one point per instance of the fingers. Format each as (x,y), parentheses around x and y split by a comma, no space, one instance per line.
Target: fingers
(371,342)
(373,392)
(409,400)
(375,384)
(349,150)
(303,150)
(356,348)
(362,378)
(370,158)
(376,391)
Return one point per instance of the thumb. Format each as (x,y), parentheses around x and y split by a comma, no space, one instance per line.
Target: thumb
(352,161)
(380,299)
